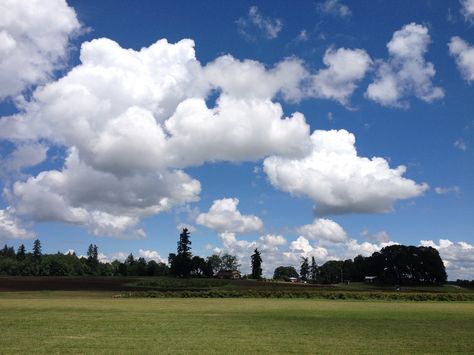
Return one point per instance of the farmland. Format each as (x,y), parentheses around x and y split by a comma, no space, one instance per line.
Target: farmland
(95,322)
(59,315)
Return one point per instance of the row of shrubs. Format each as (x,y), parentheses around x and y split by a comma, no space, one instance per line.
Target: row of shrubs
(384,296)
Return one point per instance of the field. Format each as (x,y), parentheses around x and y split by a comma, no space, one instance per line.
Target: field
(96,322)
(164,315)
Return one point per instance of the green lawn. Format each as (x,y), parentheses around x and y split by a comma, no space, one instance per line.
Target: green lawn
(60,322)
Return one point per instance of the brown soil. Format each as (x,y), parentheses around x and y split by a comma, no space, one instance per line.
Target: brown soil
(66,284)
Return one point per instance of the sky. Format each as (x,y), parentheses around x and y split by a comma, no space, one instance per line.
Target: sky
(324,128)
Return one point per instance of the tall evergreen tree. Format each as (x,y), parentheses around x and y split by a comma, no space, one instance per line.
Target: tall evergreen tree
(21,252)
(181,264)
(256,264)
(313,271)
(37,249)
(304,270)
(93,258)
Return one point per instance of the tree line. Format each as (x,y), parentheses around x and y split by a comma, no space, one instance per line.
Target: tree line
(182,264)
(394,265)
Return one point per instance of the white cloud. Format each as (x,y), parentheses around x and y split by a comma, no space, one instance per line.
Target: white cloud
(301,247)
(338,180)
(335,8)
(323,230)
(268,27)
(151,255)
(24,156)
(406,72)
(379,237)
(236,130)
(460,144)
(224,217)
(303,36)
(458,257)
(120,256)
(250,78)
(467,9)
(11,228)
(463,53)
(345,68)
(102,202)
(271,241)
(447,190)
(34,38)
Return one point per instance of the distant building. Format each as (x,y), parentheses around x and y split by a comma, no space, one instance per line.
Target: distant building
(228,274)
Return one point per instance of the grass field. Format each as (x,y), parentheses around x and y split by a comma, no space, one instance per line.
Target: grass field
(95,322)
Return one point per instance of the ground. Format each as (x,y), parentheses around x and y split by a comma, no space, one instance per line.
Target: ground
(97,322)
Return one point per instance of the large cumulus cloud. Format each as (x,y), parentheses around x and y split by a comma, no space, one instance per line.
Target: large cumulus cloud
(34,39)
(340,181)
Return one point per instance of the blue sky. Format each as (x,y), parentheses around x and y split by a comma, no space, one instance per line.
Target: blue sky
(121,141)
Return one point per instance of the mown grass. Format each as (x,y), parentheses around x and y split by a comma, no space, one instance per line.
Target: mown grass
(55,323)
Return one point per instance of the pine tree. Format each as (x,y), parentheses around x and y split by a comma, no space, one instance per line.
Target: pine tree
(21,253)
(313,270)
(304,270)
(37,249)
(181,264)
(256,264)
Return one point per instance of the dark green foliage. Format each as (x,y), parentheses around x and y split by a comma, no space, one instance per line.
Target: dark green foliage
(256,264)
(37,249)
(21,252)
(313,270)
(330,272)
(285,273)
(229,262)
(411,265)
(304,270)
(181,263)
(8,252)
(199,267)
(214,264)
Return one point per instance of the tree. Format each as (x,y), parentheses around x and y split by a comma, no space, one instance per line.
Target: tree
(214,264)
(229,262)
(256,264)
(199,266)
(330,271)
(313,271)
(304,270)
(21,252)
(93,258)
(285,273)
(181,263)
(8,252)
(37,249)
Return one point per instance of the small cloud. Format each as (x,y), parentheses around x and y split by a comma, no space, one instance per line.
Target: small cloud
(448,190)
(268,27)
(303,36)
(334,8)
(151,255)
(460,144)
(379,237)
(224,217)
(467,10)
(330,116)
